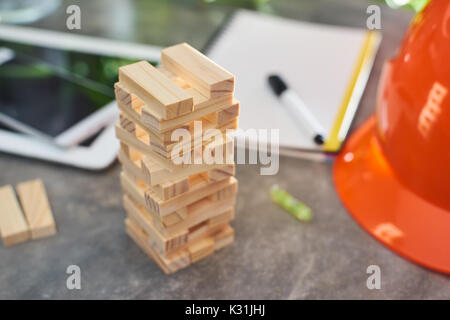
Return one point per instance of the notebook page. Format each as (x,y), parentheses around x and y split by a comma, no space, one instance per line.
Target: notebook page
(316,61)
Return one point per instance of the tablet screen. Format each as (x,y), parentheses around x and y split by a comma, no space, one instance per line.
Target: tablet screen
(50,90)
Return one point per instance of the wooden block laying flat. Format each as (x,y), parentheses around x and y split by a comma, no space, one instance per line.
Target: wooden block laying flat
(159,161)
(36,207)
(164,207)
(198,133)
(197,70)
(167,265)
(224,193)
(200,101)
(196,213)
(168,245)
(160,94)
(136,109)
(162,243)
(13,226)
(165,190)
(208,107)
(182,258)
(221,173)
(225,115)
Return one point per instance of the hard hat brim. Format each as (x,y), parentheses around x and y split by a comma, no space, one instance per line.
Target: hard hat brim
(389,211)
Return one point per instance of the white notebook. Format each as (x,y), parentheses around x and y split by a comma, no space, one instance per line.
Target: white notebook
(328,66)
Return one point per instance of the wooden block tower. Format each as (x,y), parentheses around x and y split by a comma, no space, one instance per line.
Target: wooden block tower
(178,213)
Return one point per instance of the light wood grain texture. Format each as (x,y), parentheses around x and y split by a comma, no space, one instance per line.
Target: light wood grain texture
(160,94)
(184,257)
(224,193)
(158,170)
(200,100)
(165,245)
(208,107)
(13,227)
(166,148)
(201,249)
(161,242)
(197,70)
(165,190)
(164,207)
(225,217)
(225,115)
(134,107)
(224,238)
(134,113)
(203,211)
(127,124)
(167,265)
(36,207)
(221,173)
(142,145)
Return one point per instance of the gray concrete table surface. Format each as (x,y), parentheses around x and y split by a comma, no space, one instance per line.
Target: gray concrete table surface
(274,256)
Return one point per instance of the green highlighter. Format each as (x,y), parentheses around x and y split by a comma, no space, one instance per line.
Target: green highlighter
(290,204)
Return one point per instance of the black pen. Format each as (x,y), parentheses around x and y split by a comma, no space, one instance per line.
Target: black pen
(297,108)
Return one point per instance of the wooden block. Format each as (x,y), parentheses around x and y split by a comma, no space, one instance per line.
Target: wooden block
(224,238)
(125,150)
(164,207)
(13,227)
(162,243)
(134,114)
(127,98)
(197,213)
(165,245)
(224,193)
(222,218)
(164,139)
(142,144)
(201,249)
(36,207)
(197,70)
(225,115)
(171,265)
(185,256)
(200,100)
(166,190)
(221,173)
(127,124)
(162,97)
(157,175)
(201,110)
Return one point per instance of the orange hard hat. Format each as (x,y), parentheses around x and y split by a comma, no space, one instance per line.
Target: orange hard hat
(393,173)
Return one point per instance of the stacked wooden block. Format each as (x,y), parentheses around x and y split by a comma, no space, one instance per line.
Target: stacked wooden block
(178,213)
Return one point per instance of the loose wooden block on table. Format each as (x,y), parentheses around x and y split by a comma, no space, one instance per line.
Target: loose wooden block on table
(36,207)
(13,227)
(159,93)
(197,70)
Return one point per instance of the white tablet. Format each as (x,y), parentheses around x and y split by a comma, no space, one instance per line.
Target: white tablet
(58,87)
